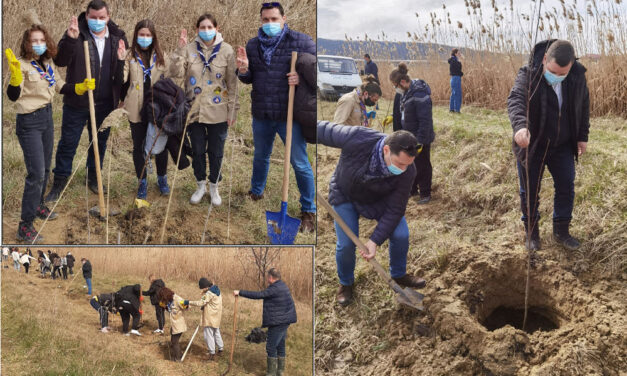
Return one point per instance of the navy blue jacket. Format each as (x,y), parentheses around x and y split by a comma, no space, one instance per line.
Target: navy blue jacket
(416,110)
(87,270)
(270,89)
(455,66)
(371,68)
(278,305)
(384,199)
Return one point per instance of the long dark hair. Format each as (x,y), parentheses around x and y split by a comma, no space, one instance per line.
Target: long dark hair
(146,55)
(165,295)
(26,48)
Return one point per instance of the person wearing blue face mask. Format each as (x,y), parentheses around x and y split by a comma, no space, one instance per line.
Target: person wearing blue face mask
(265,63)
(107,50)
(550,129)
(32,86)
(207,68)
(145,64)
(373,179)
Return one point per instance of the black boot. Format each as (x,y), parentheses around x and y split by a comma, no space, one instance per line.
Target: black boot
(58,184)
(27,233)
(92,182)
(563,237)
(533,243)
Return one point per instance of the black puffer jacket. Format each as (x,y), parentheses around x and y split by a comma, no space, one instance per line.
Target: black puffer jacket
(416,111)
(155,286)
(168,107)
(305,101)
(455,66)
(278,305)
(87,270)
(71,54)
(127,299)
(70,260)
(396,112)
(577,104)
(384,199)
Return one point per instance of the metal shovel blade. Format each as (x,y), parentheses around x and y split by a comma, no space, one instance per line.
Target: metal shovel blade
(410,298)
(282,229)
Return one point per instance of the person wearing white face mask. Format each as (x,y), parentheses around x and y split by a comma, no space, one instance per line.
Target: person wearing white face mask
(107,50)
(265,63)
(207,68)
(373,180)
(33,83)
(550,129)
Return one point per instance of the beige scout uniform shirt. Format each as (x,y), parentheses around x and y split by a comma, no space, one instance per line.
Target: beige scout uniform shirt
(215,88)
(133,72)
(35,93)
(348,111)
(212,311)
(177,321)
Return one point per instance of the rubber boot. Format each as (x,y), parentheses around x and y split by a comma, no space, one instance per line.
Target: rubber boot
(562,236)
(142,190)
(162,182)
(280,366)
(200,192)
(58,184)
(216,200)
(533,243)
(272,367)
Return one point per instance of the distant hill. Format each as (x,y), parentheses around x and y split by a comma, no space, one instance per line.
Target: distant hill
(380,50)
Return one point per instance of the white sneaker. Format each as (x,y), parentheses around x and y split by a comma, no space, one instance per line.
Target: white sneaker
(135,332)
(200,192)
(104,330)
(158,331)
(216,200)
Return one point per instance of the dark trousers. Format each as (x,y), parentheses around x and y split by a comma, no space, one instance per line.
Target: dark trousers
(207,139)
(160,316)
(35,132)
(561,164)
(26,266)
(176,346)
(275,343)
(102,311)
(56,270)
(64,270)
(74,120)
(71,271)
(138,133)
(126,319)
(424,172)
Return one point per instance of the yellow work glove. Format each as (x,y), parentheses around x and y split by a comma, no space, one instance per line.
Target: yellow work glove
(388,120)
(81,88)
(140,203)
(14,67)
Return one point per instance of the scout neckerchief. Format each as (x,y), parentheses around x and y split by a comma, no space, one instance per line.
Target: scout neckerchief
(206,62)
(48,76)
(141,64)
(363,109)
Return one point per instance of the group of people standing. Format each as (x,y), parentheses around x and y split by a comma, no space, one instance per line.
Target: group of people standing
(377,173)
(50,262)
(141,78)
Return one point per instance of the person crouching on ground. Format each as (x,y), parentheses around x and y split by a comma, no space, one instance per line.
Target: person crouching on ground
(373,179)
(127,303)
(103,303)
(156,285)
(278,313)
(175,305)
(211,306)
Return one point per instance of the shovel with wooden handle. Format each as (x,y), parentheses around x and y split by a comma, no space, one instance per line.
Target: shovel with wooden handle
(406,296)
(233,337)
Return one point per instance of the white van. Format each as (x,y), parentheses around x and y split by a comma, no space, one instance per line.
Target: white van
(337,75)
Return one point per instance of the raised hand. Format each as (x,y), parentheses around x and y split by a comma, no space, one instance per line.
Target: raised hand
(72,30)
(242,60)
(121,50)
(14,67)
(183,38)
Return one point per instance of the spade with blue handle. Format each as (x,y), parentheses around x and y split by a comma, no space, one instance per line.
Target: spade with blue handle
(282,228)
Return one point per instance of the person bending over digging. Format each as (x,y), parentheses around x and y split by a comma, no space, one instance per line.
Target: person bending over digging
(175,305)
(550,129)
(278,313)
(127,303)
(104,303)
(373,179)
(211,305)
(156,285)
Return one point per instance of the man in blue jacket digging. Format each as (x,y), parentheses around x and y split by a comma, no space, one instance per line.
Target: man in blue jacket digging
(373,179)
(265,63)
(278,313)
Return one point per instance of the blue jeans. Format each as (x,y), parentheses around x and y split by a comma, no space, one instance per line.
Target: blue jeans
(561,164)
(88,282)
(456,93)
(275,343)
(345,249)
(264,132)
(74,120)
(35,131)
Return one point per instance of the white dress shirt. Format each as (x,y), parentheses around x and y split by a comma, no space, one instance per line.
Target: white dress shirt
(100,43)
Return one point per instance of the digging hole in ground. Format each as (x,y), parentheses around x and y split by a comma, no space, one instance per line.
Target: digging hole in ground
(537,319)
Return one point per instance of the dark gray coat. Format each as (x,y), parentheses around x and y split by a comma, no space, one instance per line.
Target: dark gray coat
(278,305)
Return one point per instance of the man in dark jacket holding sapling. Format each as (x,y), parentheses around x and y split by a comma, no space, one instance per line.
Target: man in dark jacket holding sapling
(550,129)
(373,179)
(265,63)
(278,313)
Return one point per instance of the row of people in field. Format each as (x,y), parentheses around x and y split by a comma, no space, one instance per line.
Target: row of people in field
(51,262)
(549,110)
(140,77)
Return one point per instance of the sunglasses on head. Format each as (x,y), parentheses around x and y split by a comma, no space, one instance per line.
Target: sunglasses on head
(271,4)
(413,148)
